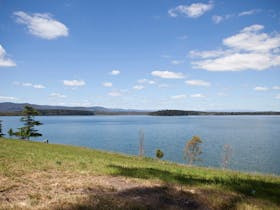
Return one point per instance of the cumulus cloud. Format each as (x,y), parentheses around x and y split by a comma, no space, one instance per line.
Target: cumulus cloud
(7,98)
(107,84)
(198,95)
(277,96)
(250,49)
(260,88)
(58,95)
(115,72)
(74,83)
(138,87)
(198,83)
(168,74)
(42,25)
(194,10)
(183,96)
(4,60)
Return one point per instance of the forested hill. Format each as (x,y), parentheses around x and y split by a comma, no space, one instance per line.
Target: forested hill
(184,113)
(50,112)
(8,108)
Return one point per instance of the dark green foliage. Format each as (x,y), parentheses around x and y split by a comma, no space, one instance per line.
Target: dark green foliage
(11,132)
(1,134)
(159,154)
(58,112)
(29,121)
(186,113)
(193,150)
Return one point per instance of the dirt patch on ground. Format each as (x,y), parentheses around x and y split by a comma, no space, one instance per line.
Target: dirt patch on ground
(63,190)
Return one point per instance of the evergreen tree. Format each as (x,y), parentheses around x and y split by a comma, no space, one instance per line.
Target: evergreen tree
(159,154)
(29,121)
(10,132)
(1,134)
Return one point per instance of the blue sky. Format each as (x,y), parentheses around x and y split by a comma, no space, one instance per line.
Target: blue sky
(159,54)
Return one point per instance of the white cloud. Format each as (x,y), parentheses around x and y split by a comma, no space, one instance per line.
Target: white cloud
(209,53)
(198,83)
(28,84)
(249,39)
(194,10)
(217,19)
(138,87)
(248,12)
(4,60)
(220,18)
(42,25)
(179,96)
(168,74)
(146,81)
(74,83)
(277,96)
(177,62)
(198,95)
(239,62)
(260,88)
(115,93)
(7,98)
(248,50)
(58,95)
(107,84)
(276,87)
(115,72)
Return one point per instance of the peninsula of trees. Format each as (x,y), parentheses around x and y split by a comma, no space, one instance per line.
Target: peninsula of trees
(186,113)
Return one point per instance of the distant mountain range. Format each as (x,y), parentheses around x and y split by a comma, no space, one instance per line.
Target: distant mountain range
(9,108)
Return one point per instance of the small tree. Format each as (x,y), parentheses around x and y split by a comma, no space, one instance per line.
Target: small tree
(193,150)
(227,155)
(141,143)
(159,154)
(28,118)
(10,132)
(1,133)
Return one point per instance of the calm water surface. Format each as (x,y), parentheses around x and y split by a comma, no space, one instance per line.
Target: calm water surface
(255,139)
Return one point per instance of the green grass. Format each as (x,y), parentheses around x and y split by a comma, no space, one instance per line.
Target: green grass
(18,157)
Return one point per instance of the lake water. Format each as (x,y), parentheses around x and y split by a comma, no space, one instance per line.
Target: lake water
(255,140)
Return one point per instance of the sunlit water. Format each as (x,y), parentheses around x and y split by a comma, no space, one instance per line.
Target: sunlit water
(255,139)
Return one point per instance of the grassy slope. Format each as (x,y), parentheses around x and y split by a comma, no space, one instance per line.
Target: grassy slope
(18,158)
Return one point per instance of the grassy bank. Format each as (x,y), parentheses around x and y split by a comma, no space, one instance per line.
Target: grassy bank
(47,176)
